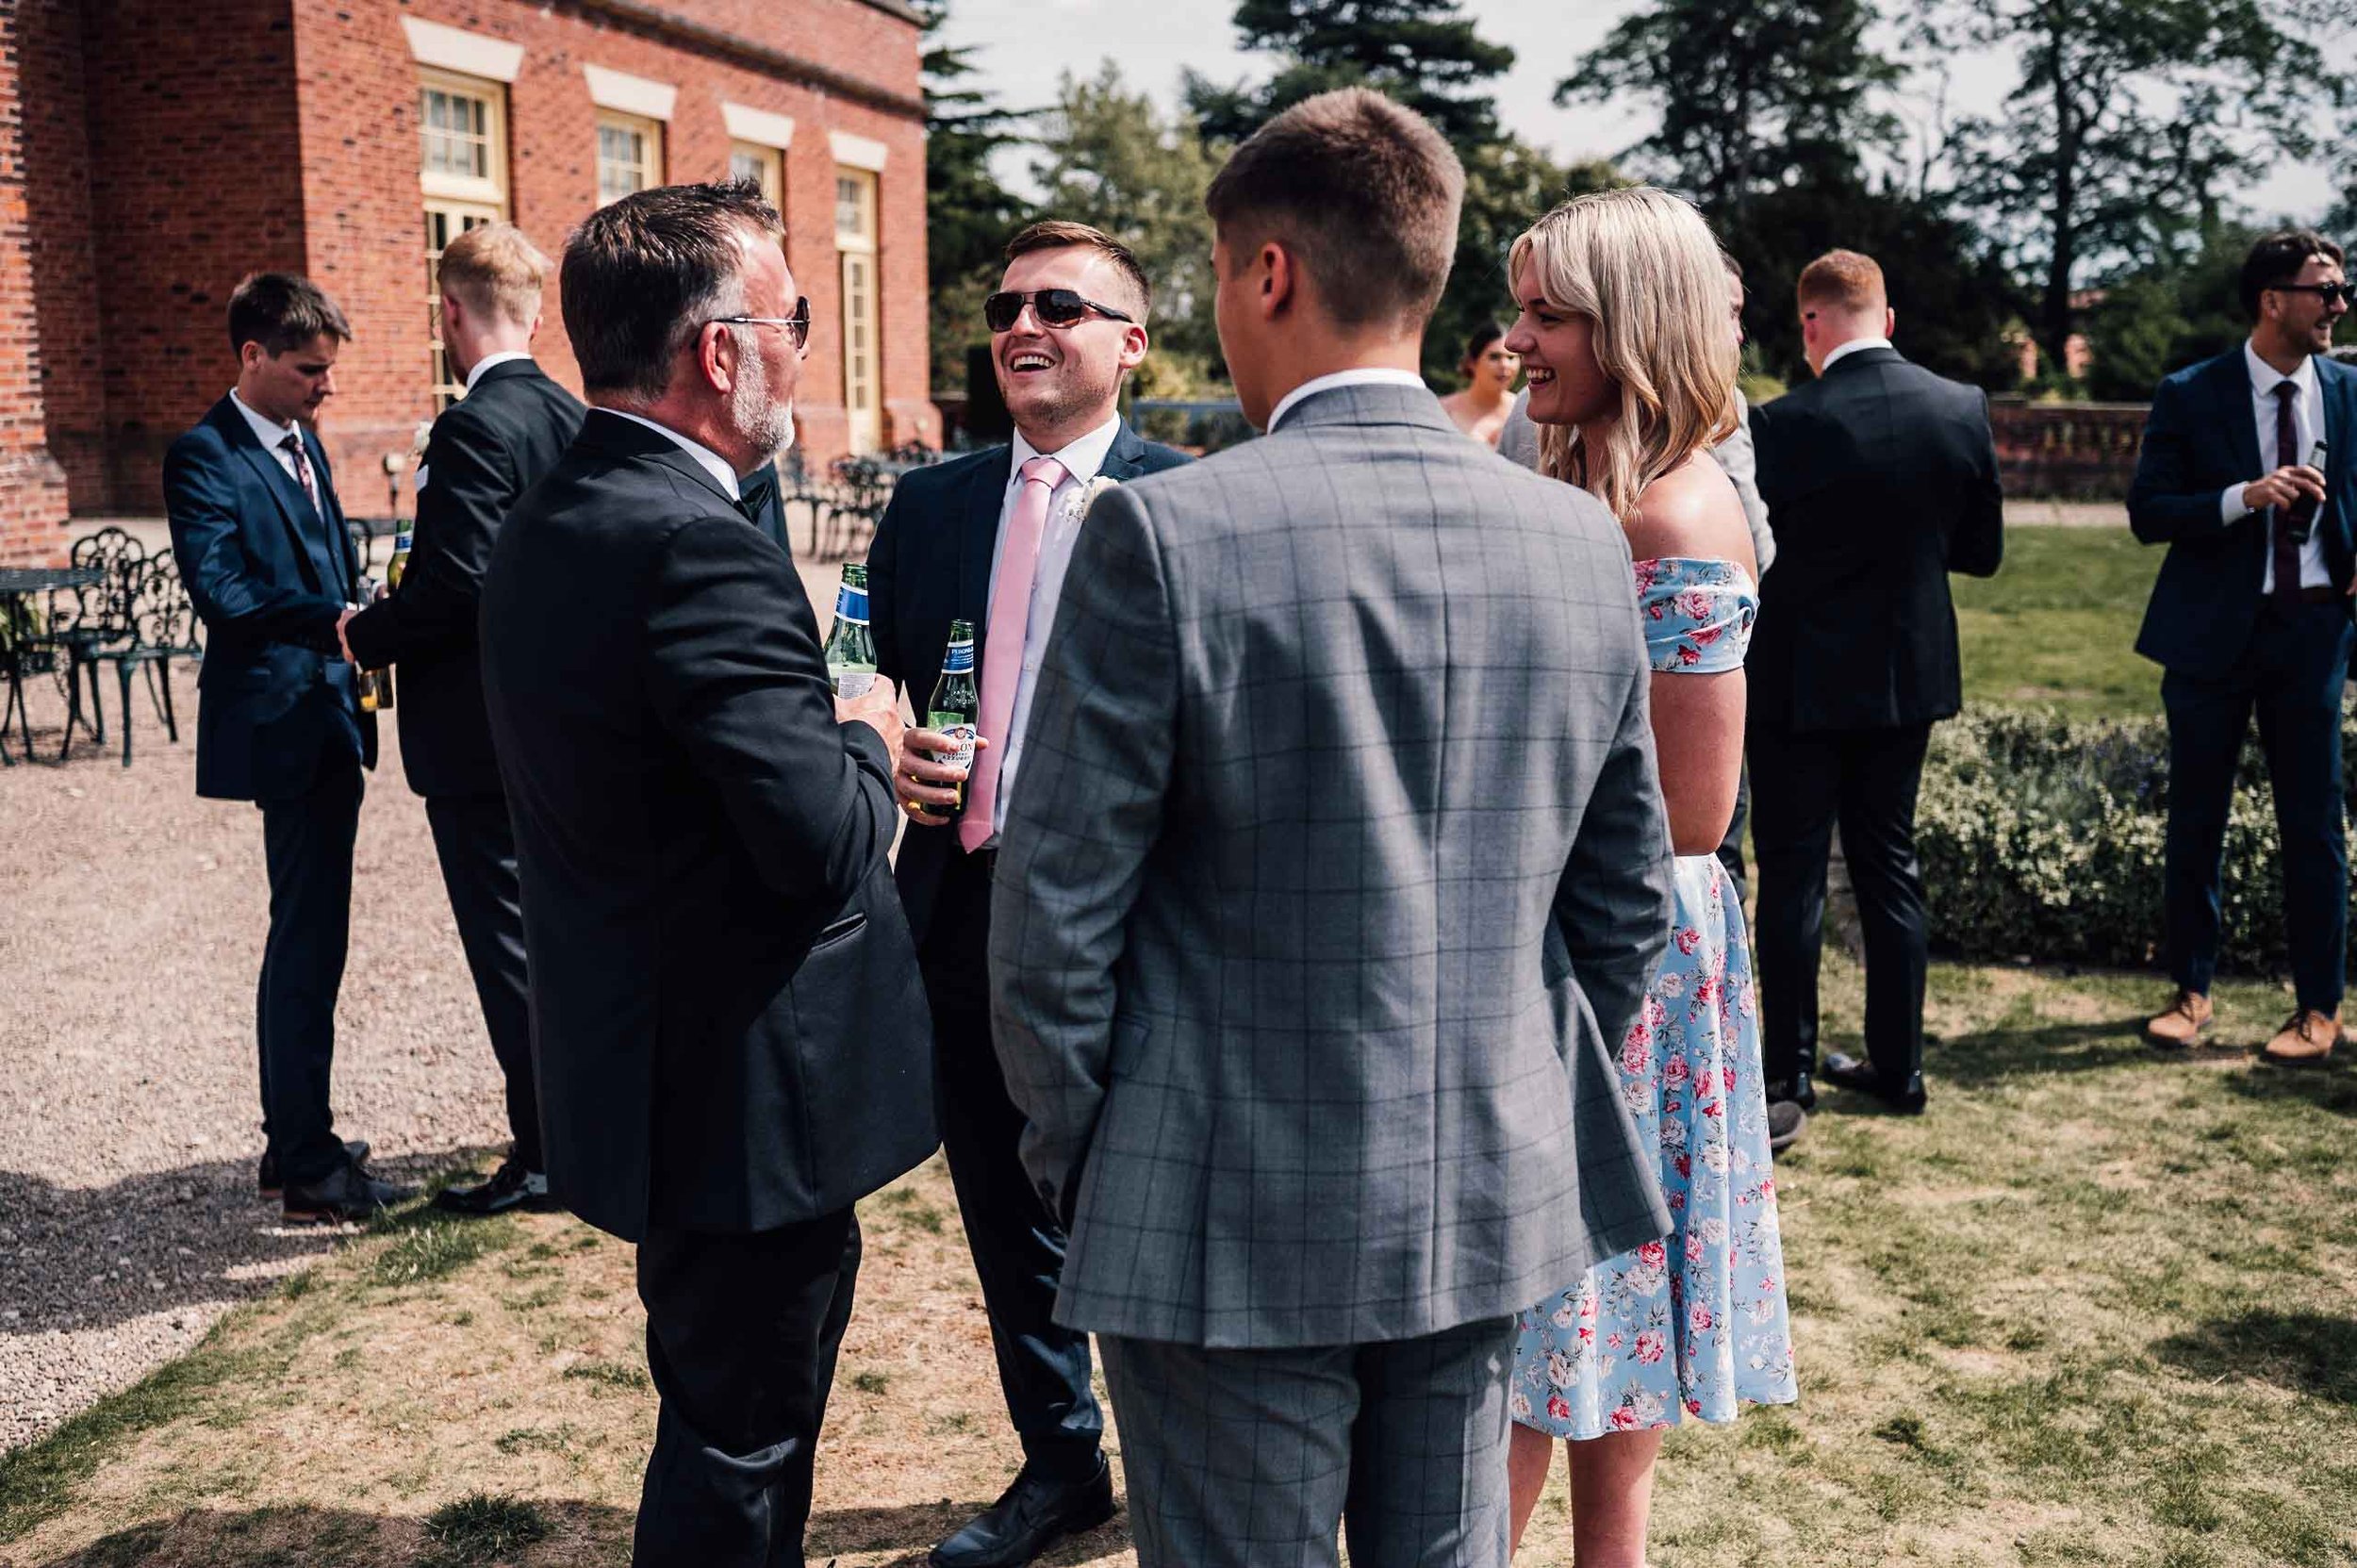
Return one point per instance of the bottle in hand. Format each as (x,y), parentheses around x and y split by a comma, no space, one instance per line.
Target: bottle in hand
(956,704)
(377,685)
(851,646)
(2302,514)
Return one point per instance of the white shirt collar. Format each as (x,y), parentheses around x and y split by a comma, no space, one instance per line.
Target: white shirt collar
(1082,458)
(490,360)
(713,462)
(267,433)
(1363,376)
(2264,377)
(1842,351)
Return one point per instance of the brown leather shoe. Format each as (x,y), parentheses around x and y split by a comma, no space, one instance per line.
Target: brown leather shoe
(2308,1036)
(2186,1020)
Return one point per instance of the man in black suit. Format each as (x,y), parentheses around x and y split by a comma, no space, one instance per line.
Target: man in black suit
(269,568)
(2251,612)
(727,1018)
(959,542)
(1882,478)
(485,449)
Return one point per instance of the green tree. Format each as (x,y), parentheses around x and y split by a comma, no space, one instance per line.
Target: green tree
(2130,124)
(1109,158)
(1753,96)
(968,215)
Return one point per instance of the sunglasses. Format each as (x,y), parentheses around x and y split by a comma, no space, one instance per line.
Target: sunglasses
(2327,292)
(796,325)
(1055,307)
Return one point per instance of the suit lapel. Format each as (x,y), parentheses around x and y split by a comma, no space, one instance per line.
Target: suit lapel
(1126,458)
(2234,406)
(293,506)
(978,535)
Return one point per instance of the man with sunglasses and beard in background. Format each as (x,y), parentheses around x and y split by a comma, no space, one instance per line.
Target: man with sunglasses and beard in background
(2251,612)
(986,540)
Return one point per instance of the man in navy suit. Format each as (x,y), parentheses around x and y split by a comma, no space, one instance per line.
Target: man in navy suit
(2251,612)
(270,566)
(487,450)
(986,540)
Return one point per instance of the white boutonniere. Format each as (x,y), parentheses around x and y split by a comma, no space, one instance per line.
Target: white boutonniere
(419,438)
(1086,496)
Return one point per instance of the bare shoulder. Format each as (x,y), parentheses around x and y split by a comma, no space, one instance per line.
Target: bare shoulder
(1691,511)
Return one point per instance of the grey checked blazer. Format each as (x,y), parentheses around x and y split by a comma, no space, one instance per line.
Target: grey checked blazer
(1336,864)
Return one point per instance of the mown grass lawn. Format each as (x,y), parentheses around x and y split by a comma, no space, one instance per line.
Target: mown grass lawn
(2095,1308)
(2056,627)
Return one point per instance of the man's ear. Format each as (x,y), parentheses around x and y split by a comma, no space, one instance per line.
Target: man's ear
(1133,346)
(1890,321)
(534,330)
(1279,278)
(719,366)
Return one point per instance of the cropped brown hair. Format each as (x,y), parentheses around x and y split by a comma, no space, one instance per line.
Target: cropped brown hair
(643,274)
(283,313)
(2276,260)
(1848,281)
(1364,192)
(493,268)
(1056,233)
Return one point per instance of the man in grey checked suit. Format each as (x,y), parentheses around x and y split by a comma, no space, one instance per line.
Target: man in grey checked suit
(1338,860)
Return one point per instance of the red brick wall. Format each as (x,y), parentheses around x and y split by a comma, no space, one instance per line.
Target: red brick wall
(364,236)
(38,60)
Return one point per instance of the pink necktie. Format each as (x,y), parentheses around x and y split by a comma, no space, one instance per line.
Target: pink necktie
(1003,636)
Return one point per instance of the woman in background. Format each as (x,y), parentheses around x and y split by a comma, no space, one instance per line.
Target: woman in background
(1489,370)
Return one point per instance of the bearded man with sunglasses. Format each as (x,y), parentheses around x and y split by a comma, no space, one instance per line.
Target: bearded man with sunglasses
(986,540)
(2251,612)
(726,1016)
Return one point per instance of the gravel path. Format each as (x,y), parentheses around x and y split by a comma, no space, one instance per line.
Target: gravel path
(131,923)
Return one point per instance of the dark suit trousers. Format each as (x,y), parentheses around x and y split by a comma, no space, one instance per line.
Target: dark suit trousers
(477,847)
(2290,675)
(742,1333)
(307,846)
(1803,785)
(1016,1242)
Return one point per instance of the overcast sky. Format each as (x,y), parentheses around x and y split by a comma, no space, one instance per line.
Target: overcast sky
(1026,45)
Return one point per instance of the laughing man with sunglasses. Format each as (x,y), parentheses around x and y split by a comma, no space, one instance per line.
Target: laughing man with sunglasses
(986,540)
(2245,474)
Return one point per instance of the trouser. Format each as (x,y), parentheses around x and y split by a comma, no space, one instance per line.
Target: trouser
(1017,1245)
(307,846)
(2290,677)
(742,1333)
(1254,1459)
(1802,786)
(477,848)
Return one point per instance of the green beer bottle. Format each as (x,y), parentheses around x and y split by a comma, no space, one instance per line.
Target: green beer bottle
(374,687)
(956,705)
(400,563)
(851,646)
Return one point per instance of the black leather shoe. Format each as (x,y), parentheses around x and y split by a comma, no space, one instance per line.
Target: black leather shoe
(1797,1089)
(1032,1515)
(1848,1072)
(1786,1122)
(355,1150)
(346,1194)
(511,1187)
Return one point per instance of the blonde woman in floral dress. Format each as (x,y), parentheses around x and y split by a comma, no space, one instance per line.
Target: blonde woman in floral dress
(1622,335)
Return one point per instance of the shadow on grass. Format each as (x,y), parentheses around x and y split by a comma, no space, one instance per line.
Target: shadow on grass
(2301,1352)
(914,1528)
(1986,1056)
(2331,1087)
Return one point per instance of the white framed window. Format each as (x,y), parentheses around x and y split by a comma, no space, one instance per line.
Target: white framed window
(445,220)
(630,155)
(462,138)
(763,166)
(855,242)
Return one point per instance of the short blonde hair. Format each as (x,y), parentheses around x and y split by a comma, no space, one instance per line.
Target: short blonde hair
(1847,281)
(1642,266)
(492,268)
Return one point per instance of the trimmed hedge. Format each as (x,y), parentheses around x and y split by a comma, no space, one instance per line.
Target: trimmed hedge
(2041,838)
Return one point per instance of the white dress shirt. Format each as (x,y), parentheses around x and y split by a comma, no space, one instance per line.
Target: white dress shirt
(270,434)
(1083,460)
(2307,423)
(1842,351)
(476,373)
(1365,375)
(713,462)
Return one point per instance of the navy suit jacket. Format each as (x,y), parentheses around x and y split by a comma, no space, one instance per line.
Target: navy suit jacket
(487,450)
(268,575)
(2200,437)
(930,565)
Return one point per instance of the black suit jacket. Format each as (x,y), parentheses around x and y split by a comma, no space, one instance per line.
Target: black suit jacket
(269,574)
(1881,479)
(930,565)
(759,500)
(486,449)
(727,1019)
(2200,437)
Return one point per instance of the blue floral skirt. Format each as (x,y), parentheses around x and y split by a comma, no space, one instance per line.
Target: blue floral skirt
(1696,1326)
